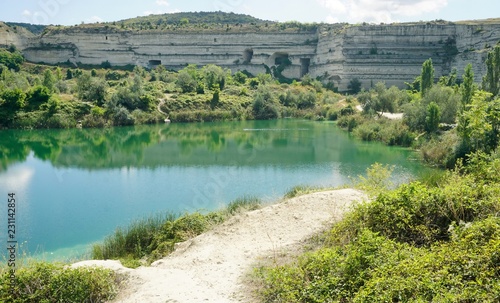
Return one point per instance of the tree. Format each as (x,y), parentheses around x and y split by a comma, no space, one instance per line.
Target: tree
(306,100)
(433,117)
(467,88)
(91,89)
(186,81)
(447,99)
(69,74)
(240,77)
(264,78)
(385,101)
(11,101)
(59,74)
(11,60)
(482,130)
(450,80)
(215,98)
(491,81)
(427,76)
(264,105)
(37,96)
(354,86)
(214,76)
(49,80)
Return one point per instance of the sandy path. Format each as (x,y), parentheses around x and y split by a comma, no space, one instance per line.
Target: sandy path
(211,267)
(391,116)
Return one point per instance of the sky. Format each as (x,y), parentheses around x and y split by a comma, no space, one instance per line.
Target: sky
(70,12)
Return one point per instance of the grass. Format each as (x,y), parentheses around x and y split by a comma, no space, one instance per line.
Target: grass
(301,190)
(151,238)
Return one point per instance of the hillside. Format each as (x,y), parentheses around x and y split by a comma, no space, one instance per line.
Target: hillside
(191,18)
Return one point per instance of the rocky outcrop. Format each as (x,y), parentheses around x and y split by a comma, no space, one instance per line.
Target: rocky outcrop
(17,36)
(395,53)
(392,53)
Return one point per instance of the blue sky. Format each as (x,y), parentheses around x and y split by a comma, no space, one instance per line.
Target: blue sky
(69,12)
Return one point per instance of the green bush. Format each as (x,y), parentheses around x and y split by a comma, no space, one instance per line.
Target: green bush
(47,282)
(418,243)
(442,151)
(465,270)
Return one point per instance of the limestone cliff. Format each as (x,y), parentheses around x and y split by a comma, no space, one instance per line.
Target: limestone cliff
(392,53)
(14,35)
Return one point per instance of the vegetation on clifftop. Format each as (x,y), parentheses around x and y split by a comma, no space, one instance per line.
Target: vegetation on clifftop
(193,22)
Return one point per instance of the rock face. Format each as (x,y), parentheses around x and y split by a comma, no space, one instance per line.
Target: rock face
(17,36)
(371,53)
(395,53)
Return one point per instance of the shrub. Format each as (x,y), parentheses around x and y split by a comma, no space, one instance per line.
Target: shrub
(441,151)
(46,282)
(461,271)
(240,77)
(415,244)
(264,106)
(349,122)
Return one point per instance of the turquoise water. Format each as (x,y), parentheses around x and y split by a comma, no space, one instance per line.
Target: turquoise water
(74,187)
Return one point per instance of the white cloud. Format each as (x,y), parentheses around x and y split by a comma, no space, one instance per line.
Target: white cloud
(335,6)
(27,13)
(332,19)
(162,3)
(379,10)
(160,12)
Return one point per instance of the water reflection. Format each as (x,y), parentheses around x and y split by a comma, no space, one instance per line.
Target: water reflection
(242,143)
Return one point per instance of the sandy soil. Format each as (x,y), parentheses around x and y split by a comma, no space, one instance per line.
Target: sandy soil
(212,267)
(394,116)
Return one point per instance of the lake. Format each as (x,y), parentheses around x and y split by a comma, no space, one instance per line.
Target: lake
(74,187)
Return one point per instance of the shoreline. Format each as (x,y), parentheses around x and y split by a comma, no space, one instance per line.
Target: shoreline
(212,266)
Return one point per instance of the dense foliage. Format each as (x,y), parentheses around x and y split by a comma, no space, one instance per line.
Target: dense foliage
(191,22)
(418,243)
(38,96)
(446,120)
(40,282)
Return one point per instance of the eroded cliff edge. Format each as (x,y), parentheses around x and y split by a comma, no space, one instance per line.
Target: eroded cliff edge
(392,53)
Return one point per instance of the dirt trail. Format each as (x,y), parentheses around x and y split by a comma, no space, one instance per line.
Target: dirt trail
(162,101)
(212,266)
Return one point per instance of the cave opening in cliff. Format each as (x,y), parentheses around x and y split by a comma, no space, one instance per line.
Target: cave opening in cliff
(248,56)
(305,63)
(281,59)
(154,63)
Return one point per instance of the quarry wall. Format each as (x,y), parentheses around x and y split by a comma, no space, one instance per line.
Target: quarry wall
(371,53)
